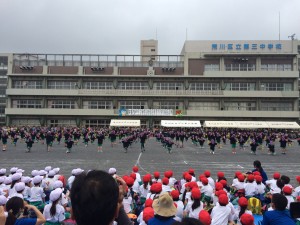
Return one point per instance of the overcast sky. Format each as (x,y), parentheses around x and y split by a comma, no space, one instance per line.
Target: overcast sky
(117,26)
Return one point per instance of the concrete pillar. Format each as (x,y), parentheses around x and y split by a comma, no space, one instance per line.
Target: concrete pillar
(80,70)
(45,69)
(186,66)
(258,63)
(222,64)
(116,70)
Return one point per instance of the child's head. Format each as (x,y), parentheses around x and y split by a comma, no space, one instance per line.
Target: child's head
(287,190)
(247,219)
(279,202)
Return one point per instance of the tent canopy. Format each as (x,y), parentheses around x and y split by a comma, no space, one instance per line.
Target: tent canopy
(125,123)
(252,124)
(180,123)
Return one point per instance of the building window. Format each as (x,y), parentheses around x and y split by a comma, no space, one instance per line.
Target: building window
(240,86)
(152,49)
(166,105)
(132,104)
(61,104)
(240,67)
(27,103)
(133,85)
(61,85)
(204,86)
(204,106)
(276,67)
(97,104)
(168,86)
(277,86)
(56,123)
(211,67)
(277,106)
(242,106)
(27,84)
(97,85)
(97,123)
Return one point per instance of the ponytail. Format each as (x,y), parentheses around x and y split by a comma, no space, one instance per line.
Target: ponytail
(53,208)
(243,210)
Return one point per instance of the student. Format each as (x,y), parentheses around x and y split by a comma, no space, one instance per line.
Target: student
(17,208)
(29,142)
(221,214)
(37,195)
(54,213)
(241,210)
(194,207)
(258,167)
(100,137)
(212,146)
(69,145)
(279,215)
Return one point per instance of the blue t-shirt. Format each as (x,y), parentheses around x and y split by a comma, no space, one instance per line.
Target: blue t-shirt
(26,221)
(156,221)
(277,217)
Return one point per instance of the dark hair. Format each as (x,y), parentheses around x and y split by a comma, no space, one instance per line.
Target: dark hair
(195,204)
(280,201)
(94,198)
(53,207)
(257,165)
(280,183)
(13,183)
(188,221)
(285,179)
(242,211)
(13,207)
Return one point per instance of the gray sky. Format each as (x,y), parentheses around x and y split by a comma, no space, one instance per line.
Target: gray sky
(117,26)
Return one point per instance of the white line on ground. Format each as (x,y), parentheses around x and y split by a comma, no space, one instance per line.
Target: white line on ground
(138,163)
(185,162)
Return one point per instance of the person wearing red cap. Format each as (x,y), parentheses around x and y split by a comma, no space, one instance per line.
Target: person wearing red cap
(165,185)
(287,192)
(221,214)
(144,189)
(156,176)
(242,209)
(272,183)
(260,187)
(250,186)
(296,192)
(193,207)
(239,184)
(204,217)
(206,189)
(135,170)
(178,202)
(247,219)
(210,179)
(155,190)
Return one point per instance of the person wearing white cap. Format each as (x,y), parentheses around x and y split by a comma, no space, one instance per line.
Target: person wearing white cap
(37,195)
(2,185)
(19,188)
(75,173)
(2,172)
(6,186)
(3,200)
(57,175)
(13,170)
(16,177)
(54,213)
(26,192)
(48,168)
(47,184)
(64,200)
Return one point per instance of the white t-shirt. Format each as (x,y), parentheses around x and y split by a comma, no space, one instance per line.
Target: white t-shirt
(180,207)
(36,194)
(239,185)
(290,200)
(165,188)
(193,213)
(260,188)
(143,192)
(211,182)
(250,189)
(296,192)
(207,190)
(59,215)
(127,201)
(220,215)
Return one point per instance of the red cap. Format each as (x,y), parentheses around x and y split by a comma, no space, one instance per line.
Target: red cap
(165,181)
(201,176)
(148,202)
(276,175)
(188,177)
(125,177)
(298,198)
(247,219)
(256,173)
(196,193)
(175,194)
(241,178)
(148,214)
(193,184)
(258,178)
(221,192)
(191,171)
(223,182)
(298,178)
(135,169)
(287,190)
(223,199)
(204,217)
(168,173)
(156,188)
(156,174)
(146,179)
(148,175)
(218,186)
(129,181)
(243,202)
(220,174)
(207,173)
(250,177)
(133,175)
(204,180)
(237,173)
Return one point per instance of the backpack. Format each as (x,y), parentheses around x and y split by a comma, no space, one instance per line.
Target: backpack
(254,205)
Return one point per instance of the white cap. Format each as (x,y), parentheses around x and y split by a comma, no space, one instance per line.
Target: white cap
(2,171)
(78,171)
(16,176)
(56,170)
(3,200)
(51,173)
(13,169)
(34,173)
(42,172)
(73,171)
(48,168)
(55,194)
(20,171)
(58,184)
(2,179)
(112,171)
(7,180)
(37,179)
(26,180)
(20,186)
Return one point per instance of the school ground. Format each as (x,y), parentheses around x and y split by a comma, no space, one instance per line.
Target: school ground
(155,158)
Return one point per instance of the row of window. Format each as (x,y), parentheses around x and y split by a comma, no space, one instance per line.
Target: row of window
(248,67)
(276,67)
(205,86)
(70,104)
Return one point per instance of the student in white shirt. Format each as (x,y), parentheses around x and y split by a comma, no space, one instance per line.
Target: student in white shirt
(179,203)
(243,204)
(19,188)
(194,206)
(221,214)
(165,185)
(296,192)
(37,195)
(54,213)
(250,186)
(287,192)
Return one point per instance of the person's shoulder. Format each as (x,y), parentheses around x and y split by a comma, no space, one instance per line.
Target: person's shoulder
(26,221)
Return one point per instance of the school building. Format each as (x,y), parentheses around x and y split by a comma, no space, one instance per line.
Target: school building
(209,80)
